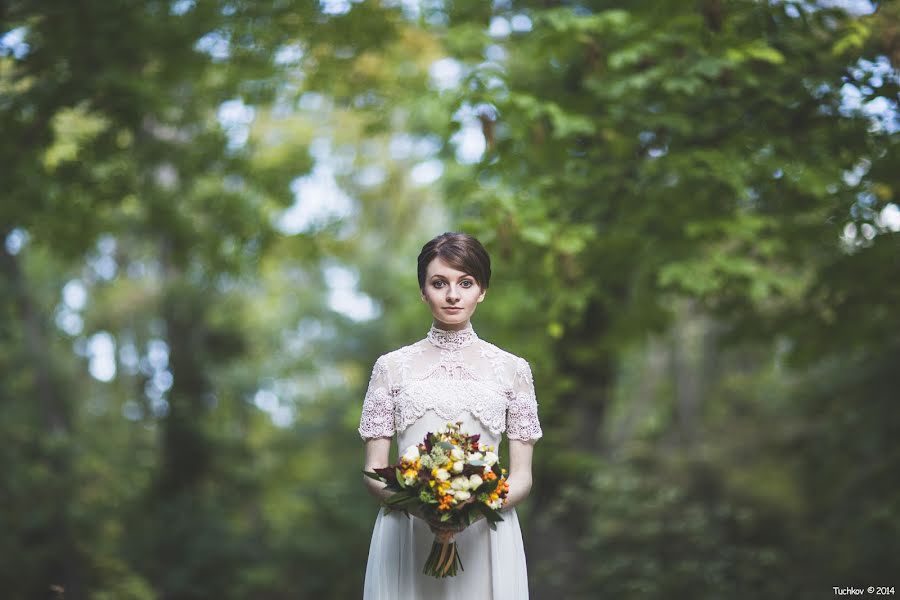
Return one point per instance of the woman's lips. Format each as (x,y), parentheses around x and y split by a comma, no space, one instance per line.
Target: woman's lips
(452,308)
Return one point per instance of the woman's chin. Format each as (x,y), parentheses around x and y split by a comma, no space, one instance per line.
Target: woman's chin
(451,320)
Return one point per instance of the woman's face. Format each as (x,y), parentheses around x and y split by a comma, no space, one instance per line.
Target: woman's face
(451,295)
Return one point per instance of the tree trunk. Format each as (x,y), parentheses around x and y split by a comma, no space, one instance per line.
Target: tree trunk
(582,415)
(60,570)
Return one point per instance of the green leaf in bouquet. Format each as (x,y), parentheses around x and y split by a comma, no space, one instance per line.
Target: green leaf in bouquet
(390,509)
(493,517)
(445,445)
(400,478)
(390,483)
(387,474)
(401,497)
(489,486)
(404,508)
(372,475)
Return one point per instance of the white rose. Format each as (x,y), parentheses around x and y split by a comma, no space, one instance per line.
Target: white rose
(442,475)
(457,454)
(475,481)
(490,458)
(458,467)
(462,495)
(476,456)
(460,483)
(411,453)
(496,504)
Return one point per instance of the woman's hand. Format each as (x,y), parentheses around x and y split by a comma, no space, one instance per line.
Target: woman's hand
(435,525)
(377,450)
(444,531)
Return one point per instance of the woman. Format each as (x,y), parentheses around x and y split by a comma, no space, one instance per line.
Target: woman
(450,375)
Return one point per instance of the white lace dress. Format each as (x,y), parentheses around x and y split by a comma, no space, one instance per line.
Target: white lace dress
(449,376)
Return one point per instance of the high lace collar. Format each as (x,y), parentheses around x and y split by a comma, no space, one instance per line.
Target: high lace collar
(452,340)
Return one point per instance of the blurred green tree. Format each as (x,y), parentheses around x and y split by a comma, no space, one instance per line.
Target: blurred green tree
(631,156)
(691,202)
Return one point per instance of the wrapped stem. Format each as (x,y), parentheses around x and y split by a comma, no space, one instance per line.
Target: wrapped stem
(443,559)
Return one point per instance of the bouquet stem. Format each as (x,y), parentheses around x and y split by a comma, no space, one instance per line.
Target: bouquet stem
(443,559)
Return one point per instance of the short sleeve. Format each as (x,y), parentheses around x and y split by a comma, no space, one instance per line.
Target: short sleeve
(377,418)
(521,414)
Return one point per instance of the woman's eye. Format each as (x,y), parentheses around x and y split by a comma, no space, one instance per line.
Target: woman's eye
(438,284)
(466,283)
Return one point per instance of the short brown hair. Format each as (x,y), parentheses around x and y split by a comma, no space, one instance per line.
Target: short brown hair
(462,252)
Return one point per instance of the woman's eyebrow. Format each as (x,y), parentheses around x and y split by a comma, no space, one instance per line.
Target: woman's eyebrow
(436,275)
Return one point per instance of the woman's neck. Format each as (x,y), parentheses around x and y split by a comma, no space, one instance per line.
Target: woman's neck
(451,326)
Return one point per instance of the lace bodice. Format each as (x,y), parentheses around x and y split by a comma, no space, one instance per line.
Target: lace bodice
(450,372)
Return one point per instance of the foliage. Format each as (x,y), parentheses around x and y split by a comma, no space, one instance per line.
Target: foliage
(680,150)
(688,207)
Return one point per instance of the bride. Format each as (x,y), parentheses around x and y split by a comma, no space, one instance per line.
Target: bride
(450,375)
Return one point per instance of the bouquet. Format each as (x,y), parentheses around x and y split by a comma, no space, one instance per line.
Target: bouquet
(452,480)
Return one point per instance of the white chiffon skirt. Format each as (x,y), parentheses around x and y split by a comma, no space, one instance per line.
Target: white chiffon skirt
(493,561)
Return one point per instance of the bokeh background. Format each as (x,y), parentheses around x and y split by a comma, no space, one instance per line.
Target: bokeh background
(210,212)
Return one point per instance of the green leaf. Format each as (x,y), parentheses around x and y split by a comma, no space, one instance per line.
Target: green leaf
(374,476)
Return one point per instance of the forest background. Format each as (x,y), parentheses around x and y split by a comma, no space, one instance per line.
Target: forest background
(210,216)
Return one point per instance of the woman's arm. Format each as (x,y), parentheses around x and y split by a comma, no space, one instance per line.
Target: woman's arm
(522,430)
(377,454)
(519,479)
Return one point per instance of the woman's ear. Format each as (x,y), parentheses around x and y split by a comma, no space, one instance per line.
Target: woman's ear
(481,297)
